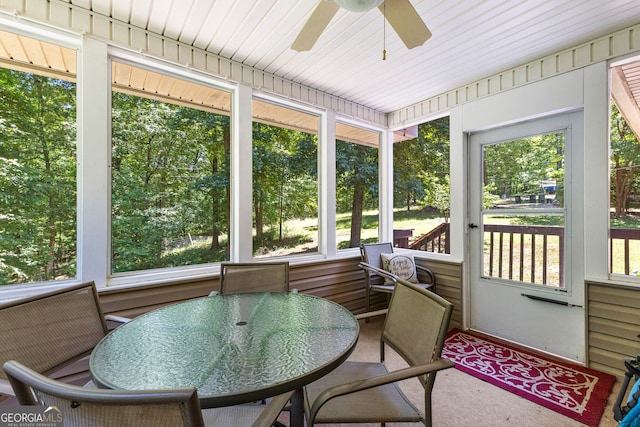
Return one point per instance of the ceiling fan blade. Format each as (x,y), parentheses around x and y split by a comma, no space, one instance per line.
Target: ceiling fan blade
(318,21)
(406,22)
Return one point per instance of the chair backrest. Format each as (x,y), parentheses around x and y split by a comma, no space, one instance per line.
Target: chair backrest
(84,407)
(49,330)
(371,252)
(236,278)
(416,326)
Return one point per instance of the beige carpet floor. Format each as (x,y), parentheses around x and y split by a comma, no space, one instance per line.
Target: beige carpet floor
(461,400)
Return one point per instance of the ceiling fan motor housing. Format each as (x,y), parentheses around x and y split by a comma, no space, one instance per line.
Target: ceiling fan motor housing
(359,5)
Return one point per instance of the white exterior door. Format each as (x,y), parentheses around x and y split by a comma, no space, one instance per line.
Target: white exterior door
(521,224)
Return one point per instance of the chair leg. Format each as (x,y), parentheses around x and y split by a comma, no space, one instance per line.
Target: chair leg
(367,294)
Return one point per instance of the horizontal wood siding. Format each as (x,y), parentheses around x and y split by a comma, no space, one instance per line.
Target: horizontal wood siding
(613,325)
(448,285)
(133,301)
(339,280)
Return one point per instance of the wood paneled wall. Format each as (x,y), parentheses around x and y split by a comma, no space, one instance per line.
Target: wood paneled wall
(448,285)
(613,325)
(340,280)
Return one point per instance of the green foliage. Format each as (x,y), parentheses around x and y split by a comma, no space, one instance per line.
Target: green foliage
(285,182)
(356,187)
(489,197)
(421,168)
(519,167)
(356,164)
(625,159)
(37,177)
(170,177)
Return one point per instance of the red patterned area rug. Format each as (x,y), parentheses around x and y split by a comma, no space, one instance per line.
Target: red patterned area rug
(572,390)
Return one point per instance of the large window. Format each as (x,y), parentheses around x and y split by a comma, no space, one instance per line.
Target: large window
(37,161)
(170,171)
(421,187)
(624,231)
(285,180)
(357,209)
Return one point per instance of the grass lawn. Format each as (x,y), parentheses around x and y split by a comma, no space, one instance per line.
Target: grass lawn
(418,220)
(300,236)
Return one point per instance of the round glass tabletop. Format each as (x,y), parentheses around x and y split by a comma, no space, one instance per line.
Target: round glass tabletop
(232,348)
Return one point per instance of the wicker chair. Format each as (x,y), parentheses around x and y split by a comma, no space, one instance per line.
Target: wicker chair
(379,280)
(415,327)
(236,278)
(81,407)
(51,330)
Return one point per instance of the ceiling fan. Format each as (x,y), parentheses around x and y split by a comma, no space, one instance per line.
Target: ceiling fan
(400,14)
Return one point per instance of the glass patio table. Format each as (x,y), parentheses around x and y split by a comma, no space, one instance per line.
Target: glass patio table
(233,348)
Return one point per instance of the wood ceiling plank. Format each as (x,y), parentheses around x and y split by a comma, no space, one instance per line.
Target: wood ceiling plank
(472,39)
(152,81)
(14,47)
(141,12)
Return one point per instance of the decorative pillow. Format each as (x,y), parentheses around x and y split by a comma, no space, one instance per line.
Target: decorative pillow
(402,265)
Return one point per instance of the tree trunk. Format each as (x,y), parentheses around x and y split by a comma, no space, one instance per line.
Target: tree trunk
(356,213)
(281,210)
(218,195)
(258,214)
(227,155)
(51,215)
(215,209)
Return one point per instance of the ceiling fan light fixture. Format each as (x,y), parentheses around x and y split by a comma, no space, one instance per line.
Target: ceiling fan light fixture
(359,5)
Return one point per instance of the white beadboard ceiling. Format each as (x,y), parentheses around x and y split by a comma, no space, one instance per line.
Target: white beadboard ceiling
(472,39)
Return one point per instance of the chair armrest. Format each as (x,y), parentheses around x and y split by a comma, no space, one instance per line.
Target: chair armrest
(421,269)
(369,314)
(378,271)
(114,318)
(390,377)
(272,410)
(6,389)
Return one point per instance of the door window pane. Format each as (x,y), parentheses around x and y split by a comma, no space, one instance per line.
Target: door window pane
(523,210)
(525,248)
(37,161)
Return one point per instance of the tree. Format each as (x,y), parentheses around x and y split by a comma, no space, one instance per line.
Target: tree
(520,166)
(356,183)
(284,177)
(210,140)
(170,182)
(37,174)
(625,157)
(421,166)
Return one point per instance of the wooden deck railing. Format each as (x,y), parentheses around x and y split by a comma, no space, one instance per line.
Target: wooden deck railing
(523,252)
(627,235)
(436,240)
(518,246)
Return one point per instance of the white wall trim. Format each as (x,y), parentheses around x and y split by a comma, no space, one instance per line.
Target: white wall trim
(65,15)
(94,162)
(615,45)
